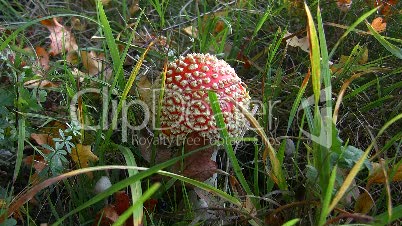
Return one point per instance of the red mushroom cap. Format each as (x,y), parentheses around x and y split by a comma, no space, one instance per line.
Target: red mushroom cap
(186,108)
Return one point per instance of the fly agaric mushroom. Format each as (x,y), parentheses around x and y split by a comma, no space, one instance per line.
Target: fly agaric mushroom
(186,108)
(187,115)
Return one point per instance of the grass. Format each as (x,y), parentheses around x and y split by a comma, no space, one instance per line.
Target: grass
(328,122)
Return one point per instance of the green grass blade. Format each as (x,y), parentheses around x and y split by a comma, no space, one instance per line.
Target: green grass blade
(226,141)
(20,147)
(159,112)
(291,222)
(261,21)
(256,168)
(278,175)
(136,191)
(111,43)
(120,185)
(137,205)
(351,28)
(383,218)
(127,88)
(314,56)
(327,198)
(387,45)
(297,101)
(203,186)
(325,72)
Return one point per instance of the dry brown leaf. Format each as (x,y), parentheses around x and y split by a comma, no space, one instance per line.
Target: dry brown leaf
(163,154)
(37,161)
(364,57)
(387,6)
(43,56)
(106,216)
(219,26)
(199,166)
(92,62)
(41,139)
(364,203)
(73,58)
(105,2)
(82,154)
(191,31)
(77,25)
(379,24)
(121,202)
(134,7)
(344,5)
(61,38)
(378,177)
(302,43)
(39,83)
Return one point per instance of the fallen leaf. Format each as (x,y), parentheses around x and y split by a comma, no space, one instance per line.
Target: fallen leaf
(379,24)
(378,177)
(191,31)
(144,142)
(41,139)
(77,25)
(386,6)
(37,161)
(199,166)
(344,5)
(134,7)
(107,216)
(39,83)
(82,154)
(302,43)
(219,26)
(43,56)
(150,205)
(364,203)
(61,38)
(92,62)
(121,202)
(236,187)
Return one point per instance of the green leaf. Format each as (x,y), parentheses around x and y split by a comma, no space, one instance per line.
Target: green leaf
(349,157)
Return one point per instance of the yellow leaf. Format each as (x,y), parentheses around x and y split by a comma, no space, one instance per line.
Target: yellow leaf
(82,154)
(2,203)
